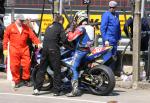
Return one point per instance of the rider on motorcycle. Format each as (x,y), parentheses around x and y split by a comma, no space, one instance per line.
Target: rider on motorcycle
(83,35)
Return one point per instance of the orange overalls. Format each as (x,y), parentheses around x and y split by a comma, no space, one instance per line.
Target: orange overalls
(19,50)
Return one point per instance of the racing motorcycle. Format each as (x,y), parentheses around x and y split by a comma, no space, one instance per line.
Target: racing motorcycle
(93,72)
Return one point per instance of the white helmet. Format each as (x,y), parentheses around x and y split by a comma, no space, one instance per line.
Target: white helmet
(80,16)
(113,4)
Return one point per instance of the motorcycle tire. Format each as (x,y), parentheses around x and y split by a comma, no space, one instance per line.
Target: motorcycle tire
(48,80)
(103,81)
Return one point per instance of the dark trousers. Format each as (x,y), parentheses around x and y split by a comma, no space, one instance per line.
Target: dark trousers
(50,57)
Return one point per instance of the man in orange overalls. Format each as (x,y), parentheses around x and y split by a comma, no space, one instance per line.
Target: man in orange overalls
(17,34)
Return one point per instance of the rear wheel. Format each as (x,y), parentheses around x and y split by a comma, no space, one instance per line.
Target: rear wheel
(103,80)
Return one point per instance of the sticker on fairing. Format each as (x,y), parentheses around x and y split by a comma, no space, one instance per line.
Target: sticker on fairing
(99,49)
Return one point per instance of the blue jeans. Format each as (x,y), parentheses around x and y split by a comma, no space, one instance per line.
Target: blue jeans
(78,56)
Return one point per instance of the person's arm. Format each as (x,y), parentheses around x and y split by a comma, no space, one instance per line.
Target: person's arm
(5,41)
(6,38)
(64,41)
(128,25)
(119,33)
(145,24)
(33,37)
(119,30)
(104,25)
(63,37)
(73,35)
(125,29)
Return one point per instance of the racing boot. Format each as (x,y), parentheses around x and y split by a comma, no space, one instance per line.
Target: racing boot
(75,90)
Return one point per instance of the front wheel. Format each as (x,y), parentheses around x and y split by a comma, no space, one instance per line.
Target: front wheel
(103,80)
(48,80)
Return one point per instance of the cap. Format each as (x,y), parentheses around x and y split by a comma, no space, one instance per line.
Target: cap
(113,4)
(19,16)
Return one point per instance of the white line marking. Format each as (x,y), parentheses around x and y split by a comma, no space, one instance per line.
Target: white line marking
(49,97)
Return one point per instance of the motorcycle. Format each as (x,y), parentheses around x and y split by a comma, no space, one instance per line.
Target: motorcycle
(93,73)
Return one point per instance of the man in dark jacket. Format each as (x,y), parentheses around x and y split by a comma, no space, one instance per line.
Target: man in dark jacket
(51,55)
(128,29)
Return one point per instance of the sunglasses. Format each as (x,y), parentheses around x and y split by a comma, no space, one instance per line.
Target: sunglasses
(113,7)
(22,20)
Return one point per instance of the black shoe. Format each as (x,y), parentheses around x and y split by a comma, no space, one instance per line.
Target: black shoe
(59,93)
(28,83)
(20,84)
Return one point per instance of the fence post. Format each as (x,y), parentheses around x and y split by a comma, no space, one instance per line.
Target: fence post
(136,43)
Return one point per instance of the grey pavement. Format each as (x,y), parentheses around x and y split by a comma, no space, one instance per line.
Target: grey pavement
(24,95)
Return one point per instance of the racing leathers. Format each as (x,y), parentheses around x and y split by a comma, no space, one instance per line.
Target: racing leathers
(84,36)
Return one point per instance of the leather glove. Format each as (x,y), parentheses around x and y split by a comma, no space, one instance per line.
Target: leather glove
(106,43)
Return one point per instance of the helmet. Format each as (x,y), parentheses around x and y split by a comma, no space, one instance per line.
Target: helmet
(80,16)
(113,4)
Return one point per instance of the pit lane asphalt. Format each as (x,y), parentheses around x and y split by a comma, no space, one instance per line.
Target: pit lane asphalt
(24,95)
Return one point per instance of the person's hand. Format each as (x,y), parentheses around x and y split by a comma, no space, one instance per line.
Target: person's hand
(90,43)
(106,43)
(5,52)
(72,27)
(39,45)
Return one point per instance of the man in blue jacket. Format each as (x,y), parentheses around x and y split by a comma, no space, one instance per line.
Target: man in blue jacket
(110,28)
